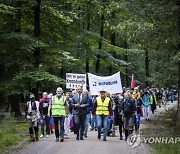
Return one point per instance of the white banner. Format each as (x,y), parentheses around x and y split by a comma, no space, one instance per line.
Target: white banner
(73,80)
(111,84)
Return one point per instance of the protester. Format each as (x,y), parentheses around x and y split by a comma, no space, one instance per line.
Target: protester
(129,113)
(153,101)
(119,113)
(67,118)
(59,111)
(32,114)
(51,121)
(146,103)
(44,105)
(159,96)
(79,103)
(139,106)
(102,108)
(93,118)
(88,112)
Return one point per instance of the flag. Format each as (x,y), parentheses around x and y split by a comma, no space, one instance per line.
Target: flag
(133,82)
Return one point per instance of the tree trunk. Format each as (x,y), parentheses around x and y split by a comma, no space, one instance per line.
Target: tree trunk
(178,111)
(113,42)
(37,34)
(147,67)
(87,49)
(2,72)
(100,44)
(14,101)
(125,46)
(15,105)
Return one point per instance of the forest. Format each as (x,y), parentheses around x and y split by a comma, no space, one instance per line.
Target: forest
(42,40)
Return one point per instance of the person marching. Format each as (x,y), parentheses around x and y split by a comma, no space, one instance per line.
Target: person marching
(153,101)
(119,114)
(79,102)
(146,103)
(59,111)
(102,109)
(129,113)
(67,118)
(32,114)
(139,106)
(44,104)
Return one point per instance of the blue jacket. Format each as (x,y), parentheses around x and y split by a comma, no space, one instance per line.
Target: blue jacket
(146,100)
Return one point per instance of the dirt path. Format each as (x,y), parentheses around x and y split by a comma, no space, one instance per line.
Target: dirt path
(90,145)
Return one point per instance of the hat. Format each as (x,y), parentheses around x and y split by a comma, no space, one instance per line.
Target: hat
(136,88)
(102,90)
(31,96)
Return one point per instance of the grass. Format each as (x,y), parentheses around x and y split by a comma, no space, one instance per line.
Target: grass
(164,126)
(12,132)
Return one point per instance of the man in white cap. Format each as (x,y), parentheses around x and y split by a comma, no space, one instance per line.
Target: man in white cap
(32,114)
(102,109)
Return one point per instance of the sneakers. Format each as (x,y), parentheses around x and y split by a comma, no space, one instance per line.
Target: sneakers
(77,138)
(41,135)
(47,136)
(104,139)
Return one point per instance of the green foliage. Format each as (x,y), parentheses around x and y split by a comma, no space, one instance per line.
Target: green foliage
(11,132)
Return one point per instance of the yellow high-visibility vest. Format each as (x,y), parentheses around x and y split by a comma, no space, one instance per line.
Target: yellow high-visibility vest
(102,107)
(58,106)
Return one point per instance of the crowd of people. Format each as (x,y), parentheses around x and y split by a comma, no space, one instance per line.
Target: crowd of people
(75,111)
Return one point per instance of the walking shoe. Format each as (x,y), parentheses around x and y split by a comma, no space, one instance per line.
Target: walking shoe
(81,138)
(121,138)
(91,129)
(77,138)
(99,136)
(41,135)
(57,139)
(62,140)
(85,135)
(47,136)
(104,139)
(148,119)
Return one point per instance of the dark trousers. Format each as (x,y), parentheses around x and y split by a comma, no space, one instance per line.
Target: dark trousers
(121,124)
(57,121)
(45,121)
(79,121)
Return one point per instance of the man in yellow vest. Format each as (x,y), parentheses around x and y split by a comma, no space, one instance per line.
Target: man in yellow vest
(59,110)
(102,109)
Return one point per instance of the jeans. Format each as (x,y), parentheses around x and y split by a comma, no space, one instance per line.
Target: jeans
(93,123)
(45,122)
(109,124)
(172,98)
(102,119)
(79,121)
(88,120)
(146,112)
(56,123)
